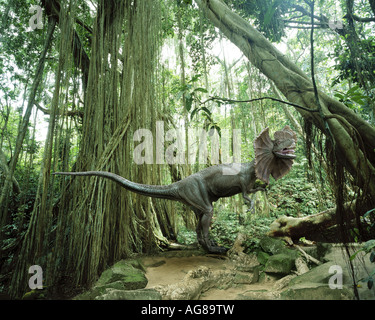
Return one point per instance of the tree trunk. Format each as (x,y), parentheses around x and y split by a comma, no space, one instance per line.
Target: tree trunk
(343,124)
(5,168)
(99,222)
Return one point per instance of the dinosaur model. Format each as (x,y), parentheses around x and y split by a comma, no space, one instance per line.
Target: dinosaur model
(200,190)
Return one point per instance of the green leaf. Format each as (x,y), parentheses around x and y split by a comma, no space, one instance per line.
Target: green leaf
(195,78)
(358,100)
(369,245)
(208,112)
(201,90)
(339,96)
(193,113)
(352,257)
(352,90)
(370,283)
(188,102)
(271,12)
(368,212)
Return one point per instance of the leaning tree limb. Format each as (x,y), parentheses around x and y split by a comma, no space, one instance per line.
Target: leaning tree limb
(296,228)
(297,87)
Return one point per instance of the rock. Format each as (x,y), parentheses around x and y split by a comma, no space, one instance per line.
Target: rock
(246,278)
(318,251)
(272,245)
(242,261)
(123,275)
(280,263)
(246,262)
(258,295)
(314,285)
(283,282)
(131,277)
(316,291)
(136,264)
(195,283)
(238,245)
(319,274)
(269,277)
(35,294)
(143,294)
(262,257)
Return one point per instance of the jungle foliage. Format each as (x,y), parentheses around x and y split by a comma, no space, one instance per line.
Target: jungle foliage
(73,93)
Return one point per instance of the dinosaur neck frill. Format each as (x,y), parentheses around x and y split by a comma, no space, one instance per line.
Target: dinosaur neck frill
(266,163)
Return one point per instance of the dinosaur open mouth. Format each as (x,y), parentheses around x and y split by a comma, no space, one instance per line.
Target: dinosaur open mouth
(287,153)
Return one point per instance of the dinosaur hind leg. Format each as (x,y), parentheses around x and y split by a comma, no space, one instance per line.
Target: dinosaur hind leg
(203,230)
(199,214)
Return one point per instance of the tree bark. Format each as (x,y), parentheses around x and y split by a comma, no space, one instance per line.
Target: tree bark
(342,122)
(303,227)
(5,168)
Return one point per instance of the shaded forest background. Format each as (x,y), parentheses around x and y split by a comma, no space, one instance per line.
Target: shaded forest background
(73,94)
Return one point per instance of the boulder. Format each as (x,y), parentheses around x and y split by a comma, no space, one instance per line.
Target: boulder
(272,245)
(319,274)
(124,271)
(246,277)
(263,257)
(316,291)
(280,263)
(314,285)
(122,276)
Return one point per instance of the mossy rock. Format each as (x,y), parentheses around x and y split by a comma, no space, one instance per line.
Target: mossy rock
(263,257)
(35,294)
(272,245)
(124,271)
(280,263)
(123,275)
(316,291)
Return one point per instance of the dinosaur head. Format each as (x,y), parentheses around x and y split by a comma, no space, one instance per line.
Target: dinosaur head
(276,156)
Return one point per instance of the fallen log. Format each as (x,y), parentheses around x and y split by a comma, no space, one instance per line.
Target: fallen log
(296,228)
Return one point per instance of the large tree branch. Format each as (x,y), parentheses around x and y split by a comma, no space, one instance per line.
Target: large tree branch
(67,113)
(298,88)
(308,226)
(359,19)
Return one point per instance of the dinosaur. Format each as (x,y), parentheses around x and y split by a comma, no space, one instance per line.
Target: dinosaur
(200,190)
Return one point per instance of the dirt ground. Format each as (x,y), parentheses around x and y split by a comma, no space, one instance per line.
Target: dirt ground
(170,270)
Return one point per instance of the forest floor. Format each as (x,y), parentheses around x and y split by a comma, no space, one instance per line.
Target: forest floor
(169,270)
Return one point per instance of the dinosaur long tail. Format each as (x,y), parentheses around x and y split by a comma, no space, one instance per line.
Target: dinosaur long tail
(155,191)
